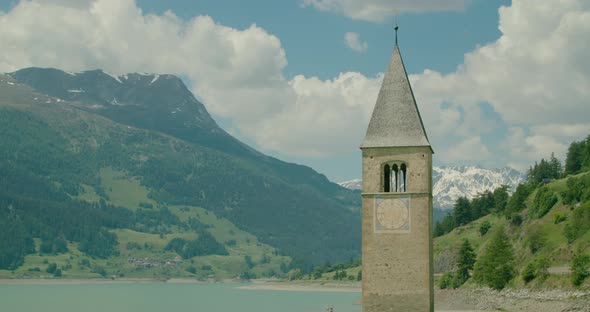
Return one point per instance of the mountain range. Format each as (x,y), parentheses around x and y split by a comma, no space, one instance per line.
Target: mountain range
(143,148)
(450,183)
(65,134)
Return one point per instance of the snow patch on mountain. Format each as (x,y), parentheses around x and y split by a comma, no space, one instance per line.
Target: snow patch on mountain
(113,76)
(155,79)
(450,183)
(355,184)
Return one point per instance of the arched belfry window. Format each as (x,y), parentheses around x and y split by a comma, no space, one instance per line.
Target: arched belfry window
(386,178)
(395,177)
(402,178)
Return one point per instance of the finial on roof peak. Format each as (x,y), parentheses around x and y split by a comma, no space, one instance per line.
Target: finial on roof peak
(396,121)
(396,28)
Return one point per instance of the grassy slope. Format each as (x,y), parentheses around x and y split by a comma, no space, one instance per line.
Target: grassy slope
(555,246)
(126,191)
(147,155)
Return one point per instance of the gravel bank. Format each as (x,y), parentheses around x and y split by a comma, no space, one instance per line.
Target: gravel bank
(522,300)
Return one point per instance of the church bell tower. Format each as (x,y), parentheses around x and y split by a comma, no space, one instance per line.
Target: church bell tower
(397,201)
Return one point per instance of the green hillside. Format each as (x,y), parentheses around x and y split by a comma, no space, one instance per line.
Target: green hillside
(48,147)
(73,179)
(546,223)
(144,255)
(552,232)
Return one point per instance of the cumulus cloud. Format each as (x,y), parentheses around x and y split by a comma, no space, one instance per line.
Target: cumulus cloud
(562,131)
(69,3)
(380,10)
(328,117)
(534,79)
(230,69)
(353,41)
(237,73)
(525,148)
(471,149)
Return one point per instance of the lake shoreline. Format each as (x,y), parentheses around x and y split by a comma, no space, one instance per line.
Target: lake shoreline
(275,285)
(67,281)
(478,299)
(256,284)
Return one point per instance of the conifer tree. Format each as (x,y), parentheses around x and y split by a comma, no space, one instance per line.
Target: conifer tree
(575,157)
(556,168)
(500,196)
(462,211)
(495,267)
(516,203)
(465,263)
(586,154)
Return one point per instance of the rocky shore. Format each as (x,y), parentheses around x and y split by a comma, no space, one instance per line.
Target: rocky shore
(522,300)
(446,300)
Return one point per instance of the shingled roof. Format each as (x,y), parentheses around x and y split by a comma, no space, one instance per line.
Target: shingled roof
(396,120)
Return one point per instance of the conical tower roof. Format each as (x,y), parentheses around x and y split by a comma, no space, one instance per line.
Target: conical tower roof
(396,120)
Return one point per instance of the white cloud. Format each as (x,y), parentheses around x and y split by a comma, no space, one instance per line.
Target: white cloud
(237,73)
(523,149)
(531,74)
(380,10)
(471,149)
(569,132)
(328,117)
(234,71)
(535,77)
(353,41)
(540,141)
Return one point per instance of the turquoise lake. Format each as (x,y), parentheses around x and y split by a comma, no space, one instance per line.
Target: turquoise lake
(167,297)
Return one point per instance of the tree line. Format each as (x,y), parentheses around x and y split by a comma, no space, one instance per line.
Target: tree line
(22,219)
(495,266)
(56,223)
(500,202)
(467,210)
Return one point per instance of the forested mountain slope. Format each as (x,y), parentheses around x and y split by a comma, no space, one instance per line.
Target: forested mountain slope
(544,228)
(62,131)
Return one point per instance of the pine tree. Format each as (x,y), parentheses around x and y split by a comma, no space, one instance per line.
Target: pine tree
(446,226)
(495,266)
(500,196)
(532,173)
(465,263)
(555,165)
(516,203)
(586,154)
(575,157)
(462,211)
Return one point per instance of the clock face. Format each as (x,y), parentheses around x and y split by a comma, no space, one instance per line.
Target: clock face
(392,214)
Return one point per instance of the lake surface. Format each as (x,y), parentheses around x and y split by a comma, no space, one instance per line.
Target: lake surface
(168,297)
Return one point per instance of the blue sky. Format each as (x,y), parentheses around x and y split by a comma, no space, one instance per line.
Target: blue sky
(498,83)
(314,42)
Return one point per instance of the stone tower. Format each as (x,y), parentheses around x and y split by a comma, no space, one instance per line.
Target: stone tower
(397,201)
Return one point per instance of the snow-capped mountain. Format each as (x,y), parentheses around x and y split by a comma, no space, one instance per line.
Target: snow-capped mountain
(450,183)
(354,184)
